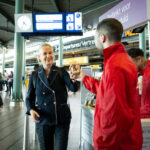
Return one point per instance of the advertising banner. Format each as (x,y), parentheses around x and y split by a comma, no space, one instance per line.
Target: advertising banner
(131,13)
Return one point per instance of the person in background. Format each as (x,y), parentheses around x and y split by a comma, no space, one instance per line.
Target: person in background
(6,80)
(143,66)
(46,101)
(1,88)
(36,67)
(117,124)
(1,81)
(27,80)
(10,82)
(1,76)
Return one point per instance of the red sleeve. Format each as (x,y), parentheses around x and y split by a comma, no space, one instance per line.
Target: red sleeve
(90,84)
(145,99)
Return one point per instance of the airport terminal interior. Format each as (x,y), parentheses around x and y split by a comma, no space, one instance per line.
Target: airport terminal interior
(69,26)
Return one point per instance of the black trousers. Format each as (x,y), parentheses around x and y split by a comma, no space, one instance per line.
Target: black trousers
(48,134)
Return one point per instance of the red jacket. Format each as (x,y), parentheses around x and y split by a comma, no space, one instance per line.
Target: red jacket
(145,98)
(117,123)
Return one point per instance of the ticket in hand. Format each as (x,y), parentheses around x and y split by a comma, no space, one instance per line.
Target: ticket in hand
(74,69)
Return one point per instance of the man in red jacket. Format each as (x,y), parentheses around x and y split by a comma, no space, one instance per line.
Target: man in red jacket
(117,123)
(143,66)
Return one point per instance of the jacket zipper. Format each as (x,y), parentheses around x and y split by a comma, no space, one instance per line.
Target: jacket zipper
(54,97)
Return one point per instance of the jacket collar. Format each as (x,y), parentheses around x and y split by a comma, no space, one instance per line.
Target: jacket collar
(108,52)
(42,74)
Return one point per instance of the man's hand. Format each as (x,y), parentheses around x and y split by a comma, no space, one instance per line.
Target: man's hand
(78,74)
(33,114)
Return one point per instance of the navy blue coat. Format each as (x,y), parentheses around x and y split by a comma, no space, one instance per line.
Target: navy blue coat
(49,97)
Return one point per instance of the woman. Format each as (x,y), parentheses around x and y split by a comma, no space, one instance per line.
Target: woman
(50,111)
(10,82)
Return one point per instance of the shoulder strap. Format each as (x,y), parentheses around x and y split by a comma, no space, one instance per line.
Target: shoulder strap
(60,72)
(35,73)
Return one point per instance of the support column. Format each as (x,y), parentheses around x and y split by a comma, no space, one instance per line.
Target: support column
(24,61)
(148,23)
(142,42)
(60,54)
(3,62)
(18,62)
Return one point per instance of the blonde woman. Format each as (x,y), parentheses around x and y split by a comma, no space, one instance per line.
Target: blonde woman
(47,101)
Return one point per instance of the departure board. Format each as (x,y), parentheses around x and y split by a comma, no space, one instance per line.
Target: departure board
(48,22)
(58,22)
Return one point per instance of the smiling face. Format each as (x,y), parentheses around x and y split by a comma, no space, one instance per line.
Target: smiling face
(46,56)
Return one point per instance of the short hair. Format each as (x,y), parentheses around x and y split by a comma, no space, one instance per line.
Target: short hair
(135,52)
(112,28)
(43,45)
(39,51)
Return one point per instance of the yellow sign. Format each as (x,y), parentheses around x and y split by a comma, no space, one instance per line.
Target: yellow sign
(129,33)
(95,66)
(76,60)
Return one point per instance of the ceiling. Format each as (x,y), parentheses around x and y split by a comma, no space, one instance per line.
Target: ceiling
(91,10)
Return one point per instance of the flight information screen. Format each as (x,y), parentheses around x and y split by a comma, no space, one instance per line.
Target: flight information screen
(58,22)
(48,22)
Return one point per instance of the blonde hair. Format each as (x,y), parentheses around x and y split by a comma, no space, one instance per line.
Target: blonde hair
(44,45)
(39,51)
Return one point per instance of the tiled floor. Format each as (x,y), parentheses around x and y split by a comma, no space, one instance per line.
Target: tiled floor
(12,125)
(74,136)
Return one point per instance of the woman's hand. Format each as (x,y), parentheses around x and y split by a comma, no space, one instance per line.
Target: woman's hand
(33,114)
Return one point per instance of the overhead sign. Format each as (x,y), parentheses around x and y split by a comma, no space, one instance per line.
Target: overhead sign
(85,43)
(128,33)
(57,22)
(74,22)
(130,13)
(75,60)
(49,24)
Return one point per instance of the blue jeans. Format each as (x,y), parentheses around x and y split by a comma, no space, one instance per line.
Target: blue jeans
(47,134)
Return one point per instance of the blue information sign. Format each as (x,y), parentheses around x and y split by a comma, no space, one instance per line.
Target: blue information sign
(56,24)
(74,22)
(48,22)
(59,23)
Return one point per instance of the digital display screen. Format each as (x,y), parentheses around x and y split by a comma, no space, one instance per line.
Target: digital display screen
(48,22)
(58,22)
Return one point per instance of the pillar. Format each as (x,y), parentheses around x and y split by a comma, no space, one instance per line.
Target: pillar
(3,62)
(142,42)
(148,23)
(24,61)
(60,54)
(18,59)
